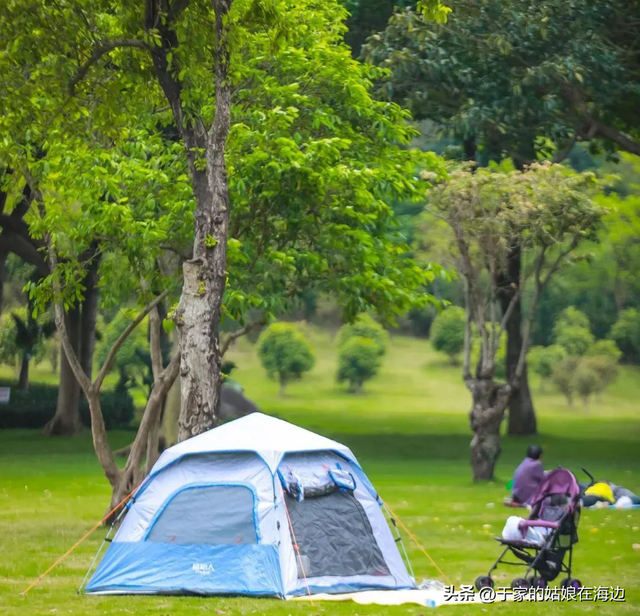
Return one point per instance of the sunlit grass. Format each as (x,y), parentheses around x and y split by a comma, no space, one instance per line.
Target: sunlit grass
(409,430)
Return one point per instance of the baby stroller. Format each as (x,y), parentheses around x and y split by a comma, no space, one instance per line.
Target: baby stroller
(556,507)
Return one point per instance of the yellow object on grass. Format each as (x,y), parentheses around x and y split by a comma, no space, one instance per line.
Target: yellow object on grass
(601,489)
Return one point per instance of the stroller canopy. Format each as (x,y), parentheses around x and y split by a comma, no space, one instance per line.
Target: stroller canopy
(558,481)
(257,507)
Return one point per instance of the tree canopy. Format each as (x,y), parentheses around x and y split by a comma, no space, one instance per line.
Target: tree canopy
(519,79)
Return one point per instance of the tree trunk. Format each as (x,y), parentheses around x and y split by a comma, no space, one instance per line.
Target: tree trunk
(197,317)
(169,427)
(88,319)
(66,421)
(283,388)
(490,401)
(3,260)
(144,445)
(23,379)
(522,417)
(200,307)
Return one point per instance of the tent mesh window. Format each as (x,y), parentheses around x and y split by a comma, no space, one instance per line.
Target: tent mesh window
(215,515)
(335,537)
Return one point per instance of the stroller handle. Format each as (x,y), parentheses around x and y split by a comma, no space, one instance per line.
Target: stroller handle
(592,480)
(588,474)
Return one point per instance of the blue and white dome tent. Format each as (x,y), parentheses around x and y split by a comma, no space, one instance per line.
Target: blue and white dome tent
(257,506)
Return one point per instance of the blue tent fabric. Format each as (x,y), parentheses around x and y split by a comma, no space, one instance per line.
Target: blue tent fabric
(159,567)
(212,518)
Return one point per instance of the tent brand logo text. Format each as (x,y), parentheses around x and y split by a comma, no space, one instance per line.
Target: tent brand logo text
(202,568)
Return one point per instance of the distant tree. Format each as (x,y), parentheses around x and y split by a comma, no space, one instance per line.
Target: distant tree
(22,338)
(575,340)
(548,212)
(626,333)
(543,361)
(364,327)
(571,317)
(447,332)
(518,79)
(605,368)
(563,377)
(586,380)
(285,353)
(358,361)
(605,348)
(588,374)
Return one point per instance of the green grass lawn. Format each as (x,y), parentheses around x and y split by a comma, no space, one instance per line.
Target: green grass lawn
(409,431)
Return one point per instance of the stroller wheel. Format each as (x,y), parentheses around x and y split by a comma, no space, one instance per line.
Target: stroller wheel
(571,583)
(520,583)
(483,581)
(537,582)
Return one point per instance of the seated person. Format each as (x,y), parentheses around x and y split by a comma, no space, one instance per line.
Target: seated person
(528,476)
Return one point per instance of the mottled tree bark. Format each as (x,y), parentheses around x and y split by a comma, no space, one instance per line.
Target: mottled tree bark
(490,401)
(199,310)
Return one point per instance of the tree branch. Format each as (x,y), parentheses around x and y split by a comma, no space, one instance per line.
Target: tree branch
(238,334)
(123,336)
(154,343)
(509,311)
(623,141)
(72,358)
(95,56)
(152,412)
(466,367)
(98,429)
(593,127)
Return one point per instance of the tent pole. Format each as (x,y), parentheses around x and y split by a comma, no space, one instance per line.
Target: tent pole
(106,538)
(86,575)
(399,539)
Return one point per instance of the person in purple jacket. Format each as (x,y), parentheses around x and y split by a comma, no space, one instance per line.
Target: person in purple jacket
(528,476)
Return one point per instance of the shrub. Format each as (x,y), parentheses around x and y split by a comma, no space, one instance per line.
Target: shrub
(543,360)
(34,407)
(586,380)
(364,327)
(285,353)
(14,342)
(605,368)
(605,348)
(358,361)
(563,377)
(570,317)
(447,332)
(626,333)
(575,340)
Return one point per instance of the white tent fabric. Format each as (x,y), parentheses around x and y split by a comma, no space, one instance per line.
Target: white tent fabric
(267,436)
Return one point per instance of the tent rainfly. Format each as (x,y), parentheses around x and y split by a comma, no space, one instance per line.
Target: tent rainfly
(257,506)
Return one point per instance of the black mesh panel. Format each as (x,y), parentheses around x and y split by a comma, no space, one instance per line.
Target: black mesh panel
(335,537)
